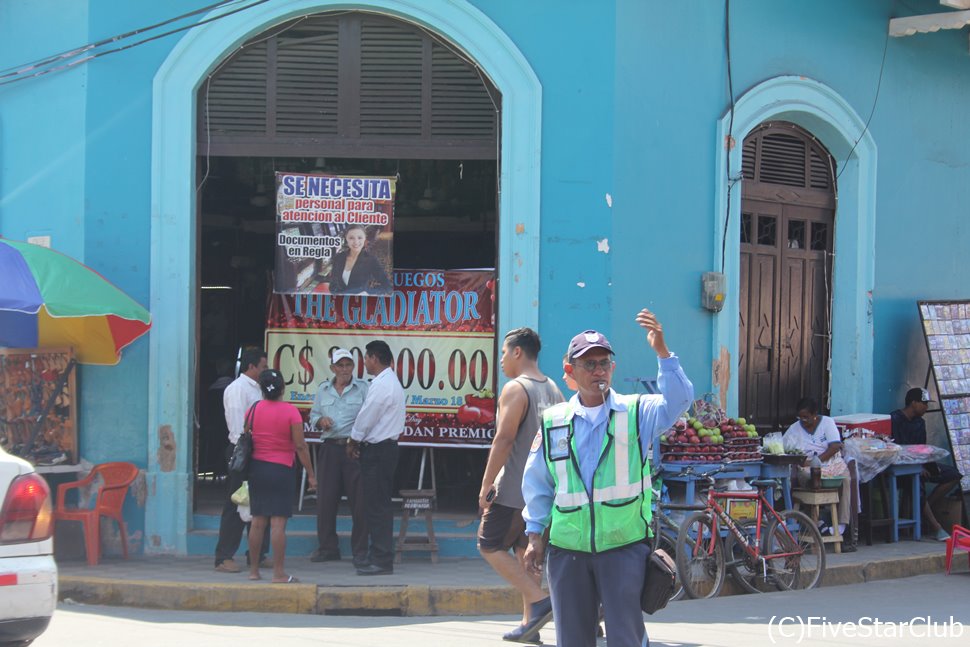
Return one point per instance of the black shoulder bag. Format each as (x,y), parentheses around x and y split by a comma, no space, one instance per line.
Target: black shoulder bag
(660,576)
(243,451)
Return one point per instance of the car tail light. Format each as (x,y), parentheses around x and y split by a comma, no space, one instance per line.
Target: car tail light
(26,512)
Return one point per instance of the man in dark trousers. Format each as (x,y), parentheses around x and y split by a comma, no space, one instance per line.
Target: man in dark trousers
(241,394)
(520,408)
(335,408)
(587,481)
(373,441)
(909,428)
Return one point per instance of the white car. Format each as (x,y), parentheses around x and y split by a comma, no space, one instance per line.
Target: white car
(28,574)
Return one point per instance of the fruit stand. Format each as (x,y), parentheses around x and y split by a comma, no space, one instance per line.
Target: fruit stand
(708,439)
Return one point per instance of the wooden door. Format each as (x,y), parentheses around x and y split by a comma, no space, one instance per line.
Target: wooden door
(787,226)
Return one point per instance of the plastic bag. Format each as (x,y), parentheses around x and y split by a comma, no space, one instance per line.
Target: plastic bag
(707,412)
(919,454)
(241,496)
(773,443)
(872,455)
(244,513)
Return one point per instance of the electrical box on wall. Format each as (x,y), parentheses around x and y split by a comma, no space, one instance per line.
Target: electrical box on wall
(712,291)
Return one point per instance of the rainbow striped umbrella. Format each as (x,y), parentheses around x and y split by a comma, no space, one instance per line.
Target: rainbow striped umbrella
(49,300)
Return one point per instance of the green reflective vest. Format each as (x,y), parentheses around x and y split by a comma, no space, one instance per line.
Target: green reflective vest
(620,511)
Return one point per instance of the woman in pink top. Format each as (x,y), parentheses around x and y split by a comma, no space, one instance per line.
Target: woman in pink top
(277,429)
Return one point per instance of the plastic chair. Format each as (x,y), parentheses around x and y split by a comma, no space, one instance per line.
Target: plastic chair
(116,478)
(959,540)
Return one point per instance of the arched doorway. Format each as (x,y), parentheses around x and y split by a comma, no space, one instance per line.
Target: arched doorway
(787,232)
(173,345)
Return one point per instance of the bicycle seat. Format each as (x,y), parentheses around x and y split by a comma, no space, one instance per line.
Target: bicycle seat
(764,483)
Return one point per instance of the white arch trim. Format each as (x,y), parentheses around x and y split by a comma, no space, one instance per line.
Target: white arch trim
(173,208)
(830,118)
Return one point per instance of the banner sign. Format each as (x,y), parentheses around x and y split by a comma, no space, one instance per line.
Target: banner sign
(441,331)
(334,234)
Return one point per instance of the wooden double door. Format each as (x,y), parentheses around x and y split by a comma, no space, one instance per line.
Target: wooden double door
(787,234)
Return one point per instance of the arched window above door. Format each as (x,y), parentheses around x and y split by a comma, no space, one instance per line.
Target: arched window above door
(351,84)
(779,152)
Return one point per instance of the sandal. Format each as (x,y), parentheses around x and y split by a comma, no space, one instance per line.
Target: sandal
(289,580)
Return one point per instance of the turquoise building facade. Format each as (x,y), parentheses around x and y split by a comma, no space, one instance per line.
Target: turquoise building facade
(618,130)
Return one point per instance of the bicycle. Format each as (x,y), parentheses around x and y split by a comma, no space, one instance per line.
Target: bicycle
(789,553)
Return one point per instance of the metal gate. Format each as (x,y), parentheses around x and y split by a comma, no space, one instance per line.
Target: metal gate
(787,237)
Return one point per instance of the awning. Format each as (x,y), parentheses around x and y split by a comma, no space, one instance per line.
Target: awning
(932,22)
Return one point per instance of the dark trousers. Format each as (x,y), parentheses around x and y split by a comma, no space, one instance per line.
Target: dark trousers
(579,582)
(338,474)
(377,465)
(230,525)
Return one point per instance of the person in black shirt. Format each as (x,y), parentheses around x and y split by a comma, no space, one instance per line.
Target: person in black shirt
(909,428)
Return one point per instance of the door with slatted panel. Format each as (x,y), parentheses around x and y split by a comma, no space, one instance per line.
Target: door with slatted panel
(787,226)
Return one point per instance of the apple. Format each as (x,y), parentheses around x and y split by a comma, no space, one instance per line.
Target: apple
(742,421)
(694,440)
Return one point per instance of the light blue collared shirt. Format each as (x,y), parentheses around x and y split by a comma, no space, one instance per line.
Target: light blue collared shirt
(342,408)
(657,414)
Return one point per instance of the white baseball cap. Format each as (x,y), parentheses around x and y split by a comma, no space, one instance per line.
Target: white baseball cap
(339,354)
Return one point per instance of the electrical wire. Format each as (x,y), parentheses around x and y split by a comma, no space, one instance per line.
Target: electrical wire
(19,69)
(730,136)
(131,45)
(875,100)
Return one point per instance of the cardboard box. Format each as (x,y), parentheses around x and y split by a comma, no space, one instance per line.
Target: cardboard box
(880,423)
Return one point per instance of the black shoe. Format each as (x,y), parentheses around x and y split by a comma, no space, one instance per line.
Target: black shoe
(374,569)
(849,548)
(539,613)
(317,556)
(515,636)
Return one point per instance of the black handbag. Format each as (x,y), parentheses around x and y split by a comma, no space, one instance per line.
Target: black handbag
(658,582)
(243,451)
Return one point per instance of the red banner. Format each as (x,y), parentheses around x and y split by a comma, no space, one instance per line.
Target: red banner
(441,330)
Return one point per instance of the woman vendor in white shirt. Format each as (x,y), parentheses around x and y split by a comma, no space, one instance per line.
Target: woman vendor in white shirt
(816,435)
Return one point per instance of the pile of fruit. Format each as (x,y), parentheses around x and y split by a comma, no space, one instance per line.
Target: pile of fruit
(741,440)
(689,441)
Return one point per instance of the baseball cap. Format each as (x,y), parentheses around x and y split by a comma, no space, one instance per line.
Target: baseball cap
(586,340)
(918,395)
(339,354)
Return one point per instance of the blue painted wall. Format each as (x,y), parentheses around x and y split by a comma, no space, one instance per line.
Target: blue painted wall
(632,92)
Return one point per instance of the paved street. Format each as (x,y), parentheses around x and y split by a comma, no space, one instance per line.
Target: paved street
(734,621)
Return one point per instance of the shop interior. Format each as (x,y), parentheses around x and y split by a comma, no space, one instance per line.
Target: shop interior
(445,217)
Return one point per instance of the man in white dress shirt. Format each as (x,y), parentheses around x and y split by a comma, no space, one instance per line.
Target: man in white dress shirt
(373,440)
(236,400)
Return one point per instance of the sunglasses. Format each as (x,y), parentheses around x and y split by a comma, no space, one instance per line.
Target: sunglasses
(591,365)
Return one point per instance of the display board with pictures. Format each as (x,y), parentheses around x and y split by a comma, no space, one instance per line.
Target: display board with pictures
(946,327)
(38,410)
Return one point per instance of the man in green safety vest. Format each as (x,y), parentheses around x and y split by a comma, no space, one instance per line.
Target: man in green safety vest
(587,481)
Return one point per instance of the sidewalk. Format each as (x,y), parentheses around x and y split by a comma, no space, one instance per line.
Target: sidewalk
(454,586)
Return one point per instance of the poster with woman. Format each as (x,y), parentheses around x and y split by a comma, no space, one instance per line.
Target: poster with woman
(334,234)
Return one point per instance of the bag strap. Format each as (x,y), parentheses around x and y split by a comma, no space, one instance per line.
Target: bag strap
(248,426)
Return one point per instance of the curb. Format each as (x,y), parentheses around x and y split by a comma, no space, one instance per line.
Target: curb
(403,600)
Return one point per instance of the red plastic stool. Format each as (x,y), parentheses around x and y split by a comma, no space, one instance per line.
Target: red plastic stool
(959,540)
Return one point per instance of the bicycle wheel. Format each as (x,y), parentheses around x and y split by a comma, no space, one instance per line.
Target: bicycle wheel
(667,541)
(700,557)
(797,534)
(746,570)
